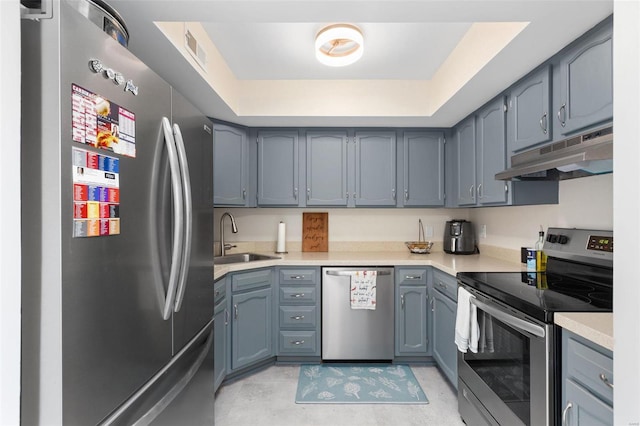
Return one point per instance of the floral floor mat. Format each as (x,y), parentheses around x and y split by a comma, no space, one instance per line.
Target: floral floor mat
(358,384)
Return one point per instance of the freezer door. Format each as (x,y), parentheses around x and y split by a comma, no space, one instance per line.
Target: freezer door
(194,301)
(101,297)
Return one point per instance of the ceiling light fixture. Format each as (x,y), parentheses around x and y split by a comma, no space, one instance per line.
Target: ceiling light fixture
(339,45)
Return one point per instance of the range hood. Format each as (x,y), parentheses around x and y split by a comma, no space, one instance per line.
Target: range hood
(585,155)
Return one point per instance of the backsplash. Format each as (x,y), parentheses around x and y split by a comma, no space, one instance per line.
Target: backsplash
(584,203)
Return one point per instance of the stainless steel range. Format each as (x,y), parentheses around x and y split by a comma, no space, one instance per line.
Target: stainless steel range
(513,379)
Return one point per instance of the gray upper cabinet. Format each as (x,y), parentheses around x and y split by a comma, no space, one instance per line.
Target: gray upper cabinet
(491,151)
(530,109)
(327,168)
(375,169)
(278,168)
(586,81)
(230,166)
(423,160)
(465,135)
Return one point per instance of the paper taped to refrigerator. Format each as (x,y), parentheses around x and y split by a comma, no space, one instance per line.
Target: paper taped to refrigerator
(96,194)
(101,123)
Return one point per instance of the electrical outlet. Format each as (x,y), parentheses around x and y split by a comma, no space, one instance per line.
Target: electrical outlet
(428,232)
(483,231)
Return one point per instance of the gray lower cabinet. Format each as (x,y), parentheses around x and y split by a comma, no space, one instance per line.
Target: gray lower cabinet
(327,168)
(586,81)
(298,327)
(251,317)
(375,169)
(412,325)
(423,162)
(278,168)
(221,323)
(230,166)
(443,307)
(587,382)
(529,113)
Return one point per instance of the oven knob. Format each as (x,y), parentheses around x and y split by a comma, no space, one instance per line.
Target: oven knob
(552,238)
(563,239)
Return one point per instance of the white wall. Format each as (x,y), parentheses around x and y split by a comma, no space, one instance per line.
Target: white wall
(583,203)
(10,212)
(626,281)
(507,227)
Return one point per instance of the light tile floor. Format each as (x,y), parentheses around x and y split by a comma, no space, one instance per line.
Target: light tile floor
(268,398)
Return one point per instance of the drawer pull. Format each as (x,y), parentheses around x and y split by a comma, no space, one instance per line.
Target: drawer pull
(217,293)
(412,277)
(297,295)
(442,285)
(606,380)
(297,342)
(565,412)
(297,317)
(296,277)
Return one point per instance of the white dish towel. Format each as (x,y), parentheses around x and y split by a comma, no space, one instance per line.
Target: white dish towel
(363,290)
(467,330)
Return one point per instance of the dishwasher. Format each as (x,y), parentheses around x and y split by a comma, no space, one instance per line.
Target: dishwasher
(356,334)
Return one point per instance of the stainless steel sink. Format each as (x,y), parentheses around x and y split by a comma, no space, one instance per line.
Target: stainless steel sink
(241,258)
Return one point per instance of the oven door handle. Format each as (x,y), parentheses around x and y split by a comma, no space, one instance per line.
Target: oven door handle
(515,322)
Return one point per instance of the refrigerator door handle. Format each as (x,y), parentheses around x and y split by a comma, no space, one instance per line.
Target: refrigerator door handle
(178,220)
(188,217)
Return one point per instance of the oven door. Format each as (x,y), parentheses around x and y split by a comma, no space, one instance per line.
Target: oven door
(511,375)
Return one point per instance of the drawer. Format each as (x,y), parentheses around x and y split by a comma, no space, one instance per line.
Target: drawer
(299,276)
(591,368)
(298,342)
(298,317)
(219,291)
(250,280)
(446,284)
(298,294)
(407,276)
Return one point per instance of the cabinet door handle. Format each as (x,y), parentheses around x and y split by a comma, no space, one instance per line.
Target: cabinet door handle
(543,123)
(235,311)
(406,195)
(402,301)
(563,110)
(244,194)
(226,316)
(606,381)
(297,295)
(393,194)
(433,306)
(296,342)
(295,193)
(479,190)
(297,317)
(565,412)
(309,193)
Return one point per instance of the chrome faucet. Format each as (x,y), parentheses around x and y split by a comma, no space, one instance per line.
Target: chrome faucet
(224,247)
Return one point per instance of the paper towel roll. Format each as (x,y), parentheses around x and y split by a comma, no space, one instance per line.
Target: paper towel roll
(280,246)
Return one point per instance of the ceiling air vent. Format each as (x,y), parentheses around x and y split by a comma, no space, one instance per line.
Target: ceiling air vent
(195,49)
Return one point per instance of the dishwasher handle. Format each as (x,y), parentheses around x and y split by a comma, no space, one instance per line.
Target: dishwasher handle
(350,273)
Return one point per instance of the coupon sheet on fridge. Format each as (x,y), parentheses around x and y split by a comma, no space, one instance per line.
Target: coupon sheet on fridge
(96,194)
(103,124)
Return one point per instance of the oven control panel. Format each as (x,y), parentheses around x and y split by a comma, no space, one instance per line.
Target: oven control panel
(600,243)
(580,245)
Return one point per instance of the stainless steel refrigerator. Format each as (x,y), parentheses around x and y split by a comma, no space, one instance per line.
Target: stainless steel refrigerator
(117,217)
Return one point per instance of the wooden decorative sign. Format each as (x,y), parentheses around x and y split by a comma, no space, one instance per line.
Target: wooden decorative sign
(315,231)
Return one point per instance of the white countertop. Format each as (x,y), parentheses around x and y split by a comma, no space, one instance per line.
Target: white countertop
(596,327)
(449,263)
